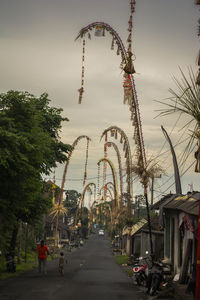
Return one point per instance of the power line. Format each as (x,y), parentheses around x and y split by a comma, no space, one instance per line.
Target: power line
(174,181)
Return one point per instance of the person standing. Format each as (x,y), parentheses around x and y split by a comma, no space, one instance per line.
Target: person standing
(42,251)
(61,263)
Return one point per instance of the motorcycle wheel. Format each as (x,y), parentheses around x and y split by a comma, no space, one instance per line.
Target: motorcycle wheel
(138,281)
(154,287)
(143,279)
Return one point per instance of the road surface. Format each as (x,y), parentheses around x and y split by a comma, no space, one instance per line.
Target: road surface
(91,274)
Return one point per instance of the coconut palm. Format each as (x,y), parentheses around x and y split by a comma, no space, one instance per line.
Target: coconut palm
(186,101)
(152,170)
(57,211)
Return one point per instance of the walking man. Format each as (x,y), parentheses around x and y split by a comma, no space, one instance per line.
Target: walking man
(42,251)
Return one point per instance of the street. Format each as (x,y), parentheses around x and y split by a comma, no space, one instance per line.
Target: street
(91,273)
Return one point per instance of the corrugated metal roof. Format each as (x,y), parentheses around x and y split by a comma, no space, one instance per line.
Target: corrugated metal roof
(135,227)
(138,226)
(188,203)
(163,200)
(125,231)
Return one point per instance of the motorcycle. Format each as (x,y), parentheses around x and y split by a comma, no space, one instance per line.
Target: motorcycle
(140,270)
(154,278)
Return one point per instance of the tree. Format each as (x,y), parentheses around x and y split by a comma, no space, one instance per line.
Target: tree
(185,101)
(30,147)
(71,199)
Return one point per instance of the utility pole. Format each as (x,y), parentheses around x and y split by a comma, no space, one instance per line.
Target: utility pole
(149,220)
(152,187)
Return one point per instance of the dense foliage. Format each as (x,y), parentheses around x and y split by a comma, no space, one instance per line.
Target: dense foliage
(30,147)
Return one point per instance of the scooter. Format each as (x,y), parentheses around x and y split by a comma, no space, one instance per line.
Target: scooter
(139,271)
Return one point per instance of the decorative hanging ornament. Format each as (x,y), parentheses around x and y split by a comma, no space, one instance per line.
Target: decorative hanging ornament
(121,139)
(128,94)
(129,67)
(116,134)
(133,2)
(126,153)
(112,132)
(124,146)
(118,50)
(89,35)
(86,162)
(112,44)
(129,38)
(81,90)
(99,31)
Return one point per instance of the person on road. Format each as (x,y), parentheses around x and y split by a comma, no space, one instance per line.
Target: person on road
(61,263)
(42,251)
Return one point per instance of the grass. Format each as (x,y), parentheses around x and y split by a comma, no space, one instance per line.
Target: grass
(20,268)
(121,259)
(129,272)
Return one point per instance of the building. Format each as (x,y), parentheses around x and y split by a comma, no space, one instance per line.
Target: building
(179,218)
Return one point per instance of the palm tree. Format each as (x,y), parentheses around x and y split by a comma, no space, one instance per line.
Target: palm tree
(186,101)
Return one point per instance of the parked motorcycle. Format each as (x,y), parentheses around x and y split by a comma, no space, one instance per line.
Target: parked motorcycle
(139,270)
(154,278)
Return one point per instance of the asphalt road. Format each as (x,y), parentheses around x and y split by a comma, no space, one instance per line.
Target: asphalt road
(91,274)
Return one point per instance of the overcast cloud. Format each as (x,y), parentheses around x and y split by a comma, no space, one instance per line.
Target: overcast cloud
(38,54)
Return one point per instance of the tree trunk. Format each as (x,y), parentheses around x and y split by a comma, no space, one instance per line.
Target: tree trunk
(13,241)
(19,243)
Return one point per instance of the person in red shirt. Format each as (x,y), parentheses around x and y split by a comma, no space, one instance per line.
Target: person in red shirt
(42,251)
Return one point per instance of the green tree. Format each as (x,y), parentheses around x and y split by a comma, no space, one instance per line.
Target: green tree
(30,147)
(71,199)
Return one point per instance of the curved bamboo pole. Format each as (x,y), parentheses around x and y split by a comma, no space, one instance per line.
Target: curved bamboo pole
(83,196)
(85,190)
(133,104)
(67,164)
(114,179)
(120,168)
(107,189)
(127,149)
(111,184)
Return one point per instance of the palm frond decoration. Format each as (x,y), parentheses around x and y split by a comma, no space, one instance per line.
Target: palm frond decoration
(186,102)
(58,210)
(153,169)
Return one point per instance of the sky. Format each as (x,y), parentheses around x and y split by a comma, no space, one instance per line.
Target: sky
(38,53)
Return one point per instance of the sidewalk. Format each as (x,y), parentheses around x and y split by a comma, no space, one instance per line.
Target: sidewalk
(180,292)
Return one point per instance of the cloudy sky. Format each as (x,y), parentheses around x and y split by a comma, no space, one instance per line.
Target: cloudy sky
(38,53)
